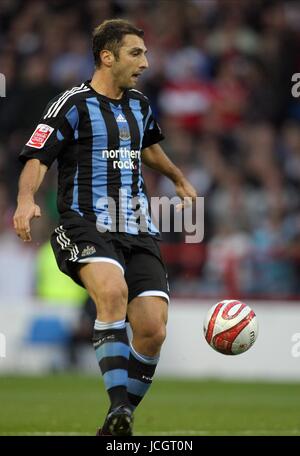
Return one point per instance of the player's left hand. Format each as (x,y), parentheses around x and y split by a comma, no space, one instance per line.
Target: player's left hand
(186,192)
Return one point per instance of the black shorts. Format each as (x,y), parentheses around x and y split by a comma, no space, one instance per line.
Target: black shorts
(78,241)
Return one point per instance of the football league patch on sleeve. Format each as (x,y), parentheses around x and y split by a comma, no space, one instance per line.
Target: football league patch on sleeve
(39,136)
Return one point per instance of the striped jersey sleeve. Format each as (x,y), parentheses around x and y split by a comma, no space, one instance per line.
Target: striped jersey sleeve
(152,133)
(56,128)
(152,130)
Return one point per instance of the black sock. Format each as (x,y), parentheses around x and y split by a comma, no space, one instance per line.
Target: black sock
(141,369)
(112,351)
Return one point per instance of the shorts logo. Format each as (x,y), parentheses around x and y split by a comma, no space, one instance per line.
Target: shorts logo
(89,250)
(40,136)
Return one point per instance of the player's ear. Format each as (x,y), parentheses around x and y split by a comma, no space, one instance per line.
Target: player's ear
(107,57)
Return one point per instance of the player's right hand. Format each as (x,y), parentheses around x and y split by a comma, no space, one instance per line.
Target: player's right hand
(25,211)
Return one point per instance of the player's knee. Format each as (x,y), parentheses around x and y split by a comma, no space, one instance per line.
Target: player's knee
(154,335)
(111,300)
(160,336)
(116,294)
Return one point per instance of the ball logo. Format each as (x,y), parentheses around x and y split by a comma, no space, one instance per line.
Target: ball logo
(230,327)
(40,135)
(240,306)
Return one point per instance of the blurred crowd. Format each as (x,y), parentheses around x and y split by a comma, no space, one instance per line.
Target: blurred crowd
(220,85)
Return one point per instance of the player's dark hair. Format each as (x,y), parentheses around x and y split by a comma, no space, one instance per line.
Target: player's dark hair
(109,35)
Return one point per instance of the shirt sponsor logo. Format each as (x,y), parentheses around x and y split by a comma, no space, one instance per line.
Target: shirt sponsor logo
(122,158)
(40,135)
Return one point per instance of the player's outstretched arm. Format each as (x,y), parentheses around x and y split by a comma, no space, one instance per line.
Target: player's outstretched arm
(154,157)
(30,180)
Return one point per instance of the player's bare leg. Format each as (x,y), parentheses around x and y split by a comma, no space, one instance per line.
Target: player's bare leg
(148,318)
(106,285)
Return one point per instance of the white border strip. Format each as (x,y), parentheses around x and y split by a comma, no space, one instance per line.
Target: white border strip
(144,358)
(61,98)
(65,243)
(101,260)
(57,105)
(155,293)
(66,99)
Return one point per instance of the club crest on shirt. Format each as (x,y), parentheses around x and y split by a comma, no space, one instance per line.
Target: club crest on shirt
(40,136)
(124,132)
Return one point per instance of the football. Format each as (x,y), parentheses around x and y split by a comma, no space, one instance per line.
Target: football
(230,327)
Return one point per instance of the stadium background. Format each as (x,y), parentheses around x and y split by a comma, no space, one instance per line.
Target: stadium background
(220,85)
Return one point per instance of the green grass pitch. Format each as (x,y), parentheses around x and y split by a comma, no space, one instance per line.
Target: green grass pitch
(76,405)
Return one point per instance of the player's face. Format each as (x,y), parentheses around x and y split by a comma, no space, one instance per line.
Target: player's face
(131,63)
